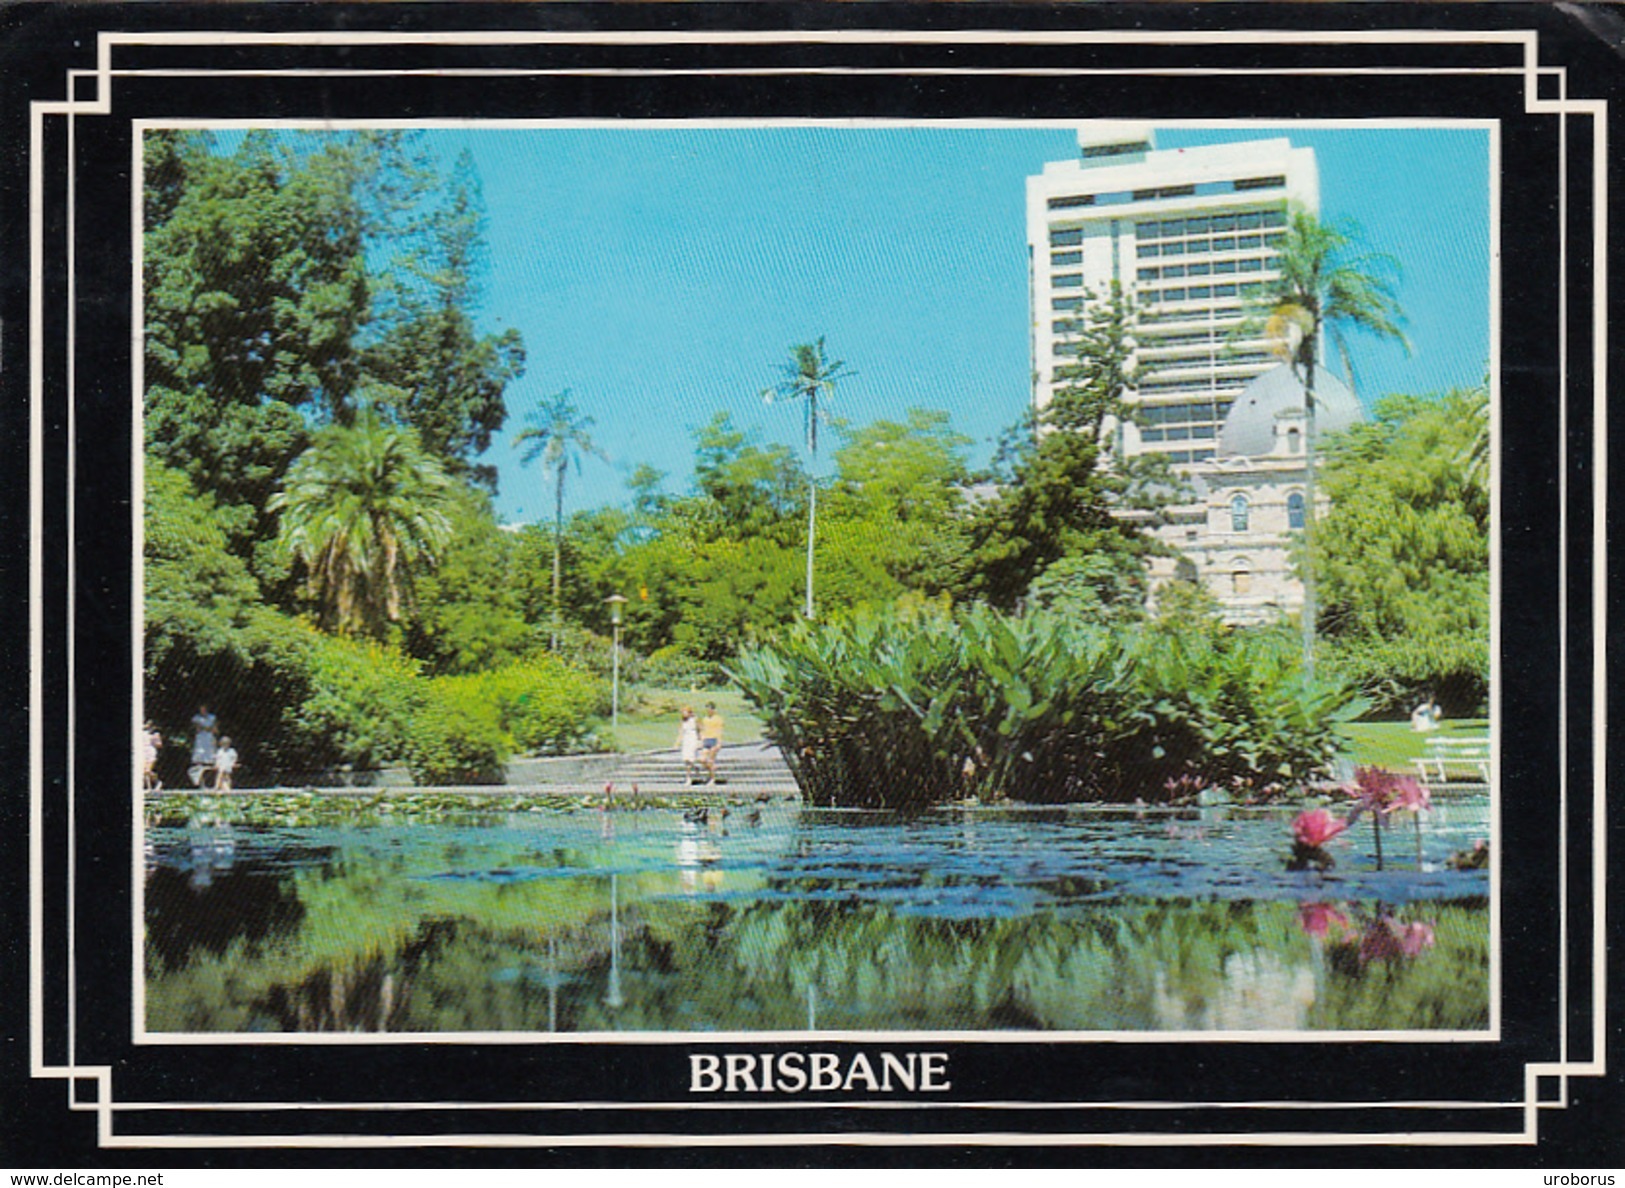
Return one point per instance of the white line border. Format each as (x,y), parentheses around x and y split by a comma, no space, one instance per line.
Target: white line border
(1595,109)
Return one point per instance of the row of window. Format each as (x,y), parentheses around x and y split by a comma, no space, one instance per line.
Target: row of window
(1221,358)
(1203,268)
(1181,457)
(1164,414)
(1213,315)
(1188,190)
(1204,383)
(1247,220)
(1241,512)
(1202,292)
(1196,430)
(1205,244)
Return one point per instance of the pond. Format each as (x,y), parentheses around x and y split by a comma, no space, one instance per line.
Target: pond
(776,917)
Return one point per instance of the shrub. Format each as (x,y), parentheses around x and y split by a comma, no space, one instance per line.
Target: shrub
(361,703)
(456,739)
(543,703)
(910,709)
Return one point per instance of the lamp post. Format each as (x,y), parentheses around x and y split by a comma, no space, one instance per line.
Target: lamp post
(615,602)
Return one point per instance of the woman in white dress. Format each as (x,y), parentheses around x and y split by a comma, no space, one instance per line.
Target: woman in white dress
(688,744)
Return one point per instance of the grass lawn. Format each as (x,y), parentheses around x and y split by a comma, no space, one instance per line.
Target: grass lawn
(649,717)
(1396,746)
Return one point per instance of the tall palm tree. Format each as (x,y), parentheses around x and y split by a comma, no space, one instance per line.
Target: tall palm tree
(1324,284)
(559,436)
(807,375)
(361,509)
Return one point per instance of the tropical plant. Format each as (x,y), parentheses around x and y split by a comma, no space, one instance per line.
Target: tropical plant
(558,435)
(362,510)
(908,710)
(1324,283)
(809,375)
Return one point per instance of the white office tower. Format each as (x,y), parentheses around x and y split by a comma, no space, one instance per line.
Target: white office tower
(1190,235)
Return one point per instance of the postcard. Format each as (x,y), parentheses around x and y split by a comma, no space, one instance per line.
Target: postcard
(1026,582)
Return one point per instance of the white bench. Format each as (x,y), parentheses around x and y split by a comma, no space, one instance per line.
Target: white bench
(1454,762)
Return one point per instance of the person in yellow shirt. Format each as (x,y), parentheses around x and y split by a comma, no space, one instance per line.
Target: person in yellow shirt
(710,740)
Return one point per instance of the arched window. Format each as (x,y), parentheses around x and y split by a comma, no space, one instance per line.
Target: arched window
(1241,576)
(1294,510)
(1239,513)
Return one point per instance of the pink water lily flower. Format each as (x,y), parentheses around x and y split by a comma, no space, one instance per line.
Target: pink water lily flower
(1317,919)
(1410,795)
(1389,940)
(1316,827)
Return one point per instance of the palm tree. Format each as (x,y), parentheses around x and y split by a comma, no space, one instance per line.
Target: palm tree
(809,374)
(559,437)
(1324,284)
(361,509)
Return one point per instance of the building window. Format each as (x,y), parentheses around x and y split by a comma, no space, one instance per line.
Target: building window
(1260,183)
(1072,200)
(1062,259)
(1294,501)
(1241,578)
(1066,238)
(1240,513)
(1069,281)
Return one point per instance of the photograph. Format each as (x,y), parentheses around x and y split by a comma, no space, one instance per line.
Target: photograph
(817,577)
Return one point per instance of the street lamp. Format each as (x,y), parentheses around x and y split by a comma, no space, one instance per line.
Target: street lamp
(615,602)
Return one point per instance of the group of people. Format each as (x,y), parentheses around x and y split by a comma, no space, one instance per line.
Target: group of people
(699,741)
(213,762)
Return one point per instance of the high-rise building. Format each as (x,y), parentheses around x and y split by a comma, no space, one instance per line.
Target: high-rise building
(1189,234)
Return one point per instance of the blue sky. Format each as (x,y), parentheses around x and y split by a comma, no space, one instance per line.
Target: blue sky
(662,274)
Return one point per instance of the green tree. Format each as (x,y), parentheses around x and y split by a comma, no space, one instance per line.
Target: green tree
(1058,486)
(1404,557)
(255,282)
(361,512)
(745,490)
(1324,283)
(429,364)
(470,614)
(809,375)
(560,436)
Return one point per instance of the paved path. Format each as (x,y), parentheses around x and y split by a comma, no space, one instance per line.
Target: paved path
(746,770)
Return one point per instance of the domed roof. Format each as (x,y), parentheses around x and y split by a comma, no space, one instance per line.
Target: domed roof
(1249,427)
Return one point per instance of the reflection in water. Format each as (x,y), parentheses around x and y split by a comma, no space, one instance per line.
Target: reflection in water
(832,920)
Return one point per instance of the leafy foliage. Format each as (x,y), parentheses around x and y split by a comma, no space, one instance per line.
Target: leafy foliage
(1404,558)
(361,510)
(909,710)
(1060,486)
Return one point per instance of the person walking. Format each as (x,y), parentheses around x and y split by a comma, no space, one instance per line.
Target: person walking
(688,745)
(711,740)
(203,744)
(225,762)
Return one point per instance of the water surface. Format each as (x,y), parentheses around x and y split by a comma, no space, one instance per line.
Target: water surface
(774,917)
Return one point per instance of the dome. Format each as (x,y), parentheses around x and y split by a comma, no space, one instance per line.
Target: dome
(1249,427)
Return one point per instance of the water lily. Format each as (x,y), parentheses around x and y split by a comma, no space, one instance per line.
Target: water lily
(1311,830)
(1316,827)
(1317,919)
(1382,792)
(1389,940)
